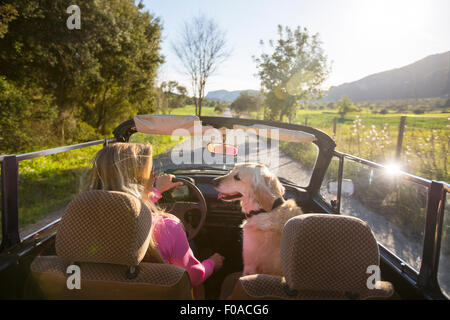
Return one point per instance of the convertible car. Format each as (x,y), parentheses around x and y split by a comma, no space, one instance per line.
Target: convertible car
(402,254)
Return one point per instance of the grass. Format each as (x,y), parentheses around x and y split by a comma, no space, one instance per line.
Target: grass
(48,183)
(190,110)
(426,142)
(324,119)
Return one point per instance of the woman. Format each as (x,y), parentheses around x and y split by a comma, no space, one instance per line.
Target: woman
(127,167)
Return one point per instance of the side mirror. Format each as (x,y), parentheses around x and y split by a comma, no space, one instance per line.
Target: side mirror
(347,187)
(223,149)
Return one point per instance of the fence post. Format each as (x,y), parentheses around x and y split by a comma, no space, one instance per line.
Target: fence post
(334,128)
(401,131)
(306,121)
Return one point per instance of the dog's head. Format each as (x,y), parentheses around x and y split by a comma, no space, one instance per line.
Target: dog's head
(250,183)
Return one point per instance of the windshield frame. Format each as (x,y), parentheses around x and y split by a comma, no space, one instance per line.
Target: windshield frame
(324,142)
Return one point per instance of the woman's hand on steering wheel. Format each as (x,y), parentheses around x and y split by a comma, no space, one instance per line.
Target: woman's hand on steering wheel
(164,182)
(218,260)
(181,208)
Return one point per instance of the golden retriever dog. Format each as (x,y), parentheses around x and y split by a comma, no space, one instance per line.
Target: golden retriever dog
(261,196)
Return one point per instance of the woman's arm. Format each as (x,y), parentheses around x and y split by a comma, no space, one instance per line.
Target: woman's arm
(155,196)
(162,184)
(174,249)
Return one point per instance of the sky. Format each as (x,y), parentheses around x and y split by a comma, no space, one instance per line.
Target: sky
(359,37)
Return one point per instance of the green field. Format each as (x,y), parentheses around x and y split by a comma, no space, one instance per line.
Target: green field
(426,143)
(324,119)
(190,110)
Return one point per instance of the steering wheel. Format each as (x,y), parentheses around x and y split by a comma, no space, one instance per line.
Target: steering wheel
(180,208)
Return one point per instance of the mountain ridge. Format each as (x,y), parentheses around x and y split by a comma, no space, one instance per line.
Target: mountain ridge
(227,96)
(426,78)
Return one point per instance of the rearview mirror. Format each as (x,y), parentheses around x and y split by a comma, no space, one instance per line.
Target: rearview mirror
(347,187)
(223,149)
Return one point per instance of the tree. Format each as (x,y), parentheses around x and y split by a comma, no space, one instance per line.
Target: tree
(244,103)
(24,117)
(99,74)
(345,105)
(129,57)
(179,99)
(182,90)
(7,14)
(294,71)
(220,106)
(173,93)
(161,103)
(201,48)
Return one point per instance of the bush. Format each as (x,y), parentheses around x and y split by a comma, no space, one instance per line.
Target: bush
(345,105)
(383,111)
(419,111)
(244,103)
(83,132)
(220,107)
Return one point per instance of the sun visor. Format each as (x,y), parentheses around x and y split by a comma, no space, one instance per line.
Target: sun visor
(166,124)
(277,133)
(188,125)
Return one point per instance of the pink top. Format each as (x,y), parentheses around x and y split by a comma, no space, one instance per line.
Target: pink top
(173,246)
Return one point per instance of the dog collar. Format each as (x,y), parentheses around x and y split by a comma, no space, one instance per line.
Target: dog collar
(278,202)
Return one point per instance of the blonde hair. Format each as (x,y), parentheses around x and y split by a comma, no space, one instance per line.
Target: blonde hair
(127,167)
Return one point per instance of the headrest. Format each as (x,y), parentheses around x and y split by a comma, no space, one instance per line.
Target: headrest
(331,253)
(104,227)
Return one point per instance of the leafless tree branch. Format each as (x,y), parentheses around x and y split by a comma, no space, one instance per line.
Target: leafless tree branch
(201,48)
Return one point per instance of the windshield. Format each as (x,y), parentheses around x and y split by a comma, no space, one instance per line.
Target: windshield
(291,161)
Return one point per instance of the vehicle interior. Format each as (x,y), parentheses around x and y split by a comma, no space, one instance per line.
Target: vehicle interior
(32,267)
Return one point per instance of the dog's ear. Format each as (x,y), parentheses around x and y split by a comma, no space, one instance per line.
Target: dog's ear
(267,188)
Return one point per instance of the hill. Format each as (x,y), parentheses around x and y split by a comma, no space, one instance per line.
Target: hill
(426,78)
(227,96)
